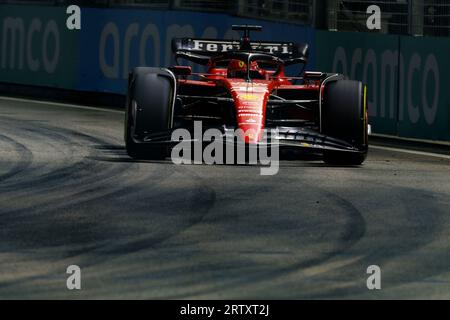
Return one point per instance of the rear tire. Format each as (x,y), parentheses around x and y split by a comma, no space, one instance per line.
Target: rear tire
(344,117)
(149,110)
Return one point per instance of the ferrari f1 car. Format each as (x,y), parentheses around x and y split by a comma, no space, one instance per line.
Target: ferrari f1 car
(244,86)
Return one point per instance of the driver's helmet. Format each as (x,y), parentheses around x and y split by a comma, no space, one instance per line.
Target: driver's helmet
(238,69)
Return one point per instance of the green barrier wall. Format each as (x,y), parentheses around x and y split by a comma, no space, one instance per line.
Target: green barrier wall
(36,48)
(408,92)
(424,99)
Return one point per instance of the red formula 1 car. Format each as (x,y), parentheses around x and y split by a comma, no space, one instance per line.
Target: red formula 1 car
(244,86)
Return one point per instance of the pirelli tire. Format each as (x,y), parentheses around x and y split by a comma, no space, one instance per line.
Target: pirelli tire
(149,109)
(344,116)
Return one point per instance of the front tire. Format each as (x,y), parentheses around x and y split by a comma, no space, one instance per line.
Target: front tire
(150,99)
(344,117)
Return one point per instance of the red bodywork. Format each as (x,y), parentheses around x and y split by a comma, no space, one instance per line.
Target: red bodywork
(250,97)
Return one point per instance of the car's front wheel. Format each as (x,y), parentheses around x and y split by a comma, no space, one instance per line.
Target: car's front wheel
(344,117)
(149,109)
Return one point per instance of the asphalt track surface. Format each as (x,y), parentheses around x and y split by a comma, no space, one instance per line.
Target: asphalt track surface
(70,195)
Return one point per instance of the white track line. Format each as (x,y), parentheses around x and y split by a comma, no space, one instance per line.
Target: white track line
(420,153)
(64,105)
(429,142)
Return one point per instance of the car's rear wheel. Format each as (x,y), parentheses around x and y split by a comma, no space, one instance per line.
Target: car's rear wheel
(150,98)
(344,117)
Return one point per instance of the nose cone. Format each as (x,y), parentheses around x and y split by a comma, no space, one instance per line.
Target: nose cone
(250,100)
(251,134)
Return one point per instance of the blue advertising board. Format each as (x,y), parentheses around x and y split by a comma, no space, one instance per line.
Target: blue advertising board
(113,41)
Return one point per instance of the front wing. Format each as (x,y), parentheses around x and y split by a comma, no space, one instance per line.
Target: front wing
(286,138)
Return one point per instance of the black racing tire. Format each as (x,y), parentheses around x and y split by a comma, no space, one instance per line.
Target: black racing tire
(149,108)
(344,117)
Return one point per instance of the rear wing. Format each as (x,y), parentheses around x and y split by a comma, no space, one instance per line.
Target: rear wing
(203,49)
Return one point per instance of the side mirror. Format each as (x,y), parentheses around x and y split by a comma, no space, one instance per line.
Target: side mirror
(181,70)
(315,75)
